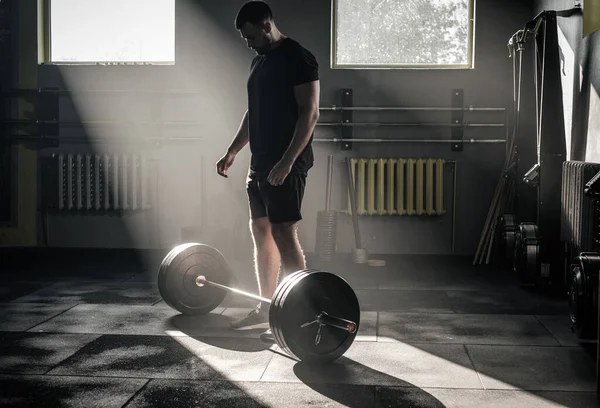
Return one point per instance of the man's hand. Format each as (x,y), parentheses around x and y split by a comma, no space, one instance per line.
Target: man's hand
(279,172)
(224,163)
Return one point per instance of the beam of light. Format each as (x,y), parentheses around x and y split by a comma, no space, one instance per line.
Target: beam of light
(213,73)
(228,361)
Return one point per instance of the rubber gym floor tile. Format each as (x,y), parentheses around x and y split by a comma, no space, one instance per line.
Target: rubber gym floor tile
(188,394)
(95,293)
(534,368)
(367,328)
(12,290)
(512,302)
(33,353)
(462,329)
(169,357)
(418,281)
(446,398)
(23,316)
(51,392)
(560,328)
(389,364)
(434,301)
(216,324)
(122,319)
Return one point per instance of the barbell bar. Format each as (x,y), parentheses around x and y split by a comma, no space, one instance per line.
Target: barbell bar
(303,313)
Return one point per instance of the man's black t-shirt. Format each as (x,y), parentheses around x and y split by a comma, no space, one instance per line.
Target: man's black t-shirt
(272,106)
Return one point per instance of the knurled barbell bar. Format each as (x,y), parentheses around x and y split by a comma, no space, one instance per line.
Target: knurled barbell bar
(304,311)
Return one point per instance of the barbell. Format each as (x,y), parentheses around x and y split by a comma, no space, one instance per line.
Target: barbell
(304,312)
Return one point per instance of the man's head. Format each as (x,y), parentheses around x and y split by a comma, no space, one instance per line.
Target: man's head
(255,24)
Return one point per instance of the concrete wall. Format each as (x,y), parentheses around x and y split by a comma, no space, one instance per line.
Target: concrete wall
(212,58)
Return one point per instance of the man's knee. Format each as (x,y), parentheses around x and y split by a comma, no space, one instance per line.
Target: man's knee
(260,227)
(284,233)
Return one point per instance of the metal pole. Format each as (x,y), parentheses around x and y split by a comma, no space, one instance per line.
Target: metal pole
(202,139)
(454,206)
(25,92)
(329,183)
(16,122)
(424,124)
(408,109)
(352,191)
(336,140)
(201,281)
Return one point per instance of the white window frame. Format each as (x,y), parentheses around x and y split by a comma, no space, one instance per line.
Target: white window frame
(471,52)
(45,42)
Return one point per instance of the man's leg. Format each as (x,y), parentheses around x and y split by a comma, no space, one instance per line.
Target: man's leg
(284,203)
(266,257)
(286,237)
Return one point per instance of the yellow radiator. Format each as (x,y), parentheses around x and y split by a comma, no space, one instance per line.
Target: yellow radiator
(398,186)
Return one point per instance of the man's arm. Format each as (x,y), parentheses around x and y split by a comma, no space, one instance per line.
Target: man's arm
(307,97)
(241,137)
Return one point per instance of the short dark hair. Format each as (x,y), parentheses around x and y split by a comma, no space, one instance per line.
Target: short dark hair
(253,12)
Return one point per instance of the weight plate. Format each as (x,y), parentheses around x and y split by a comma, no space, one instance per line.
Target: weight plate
(527,263)
(275,305)
(577,301)
(177,278)
(505,238)
(583,295)
(300,303)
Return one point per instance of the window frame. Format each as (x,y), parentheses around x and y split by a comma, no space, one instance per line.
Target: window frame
(45,42)
(333,49)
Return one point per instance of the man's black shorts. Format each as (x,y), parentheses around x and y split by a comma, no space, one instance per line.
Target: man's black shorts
(280,203)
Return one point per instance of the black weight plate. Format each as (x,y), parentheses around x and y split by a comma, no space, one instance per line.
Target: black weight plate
(527,263)
(303,299)
(279,291)
(276,302)
(177,278)
(577,301)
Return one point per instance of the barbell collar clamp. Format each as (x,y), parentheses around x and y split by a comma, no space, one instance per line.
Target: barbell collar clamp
(325,319)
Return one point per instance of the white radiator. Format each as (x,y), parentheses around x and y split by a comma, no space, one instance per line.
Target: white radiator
(102,182)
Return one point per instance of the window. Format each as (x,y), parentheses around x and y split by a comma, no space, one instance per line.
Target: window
(104,31)
(402,34)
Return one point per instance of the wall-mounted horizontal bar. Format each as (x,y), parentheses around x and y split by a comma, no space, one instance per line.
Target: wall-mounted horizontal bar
(339,140)
(25,92)
(406,108)
(29,92)
(415,124)
(164,139)
(15,122)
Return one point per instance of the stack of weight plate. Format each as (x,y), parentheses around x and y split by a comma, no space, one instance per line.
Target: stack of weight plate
(325,244)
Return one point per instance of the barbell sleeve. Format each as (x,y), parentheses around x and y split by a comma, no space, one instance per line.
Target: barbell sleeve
(202,281)
(337,322)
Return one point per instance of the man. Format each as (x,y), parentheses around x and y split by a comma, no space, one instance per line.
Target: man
(283,109)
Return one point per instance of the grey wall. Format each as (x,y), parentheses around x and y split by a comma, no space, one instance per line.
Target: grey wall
(212,58)
(581,89)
